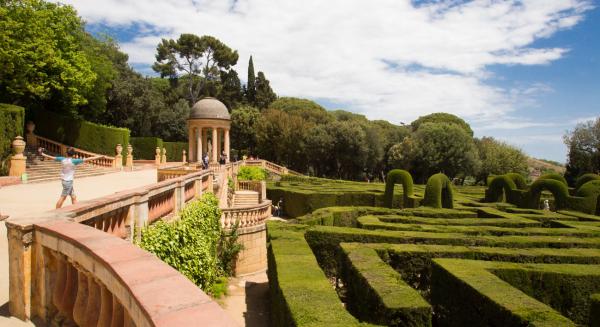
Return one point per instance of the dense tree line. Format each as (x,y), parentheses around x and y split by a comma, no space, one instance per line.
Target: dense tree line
(50,62)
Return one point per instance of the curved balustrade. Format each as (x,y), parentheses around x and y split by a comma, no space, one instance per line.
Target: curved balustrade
(61,149)
(94,279)
(246,216)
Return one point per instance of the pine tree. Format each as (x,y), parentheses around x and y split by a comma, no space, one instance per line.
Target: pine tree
(251,86)
(264,94)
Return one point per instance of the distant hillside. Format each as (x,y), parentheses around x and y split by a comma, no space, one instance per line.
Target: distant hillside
(541,165)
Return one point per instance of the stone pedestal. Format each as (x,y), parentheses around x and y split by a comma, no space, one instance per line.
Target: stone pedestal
(119,156)
(129,160)
(17,161)
(184,159)
(157,157)
(164,156)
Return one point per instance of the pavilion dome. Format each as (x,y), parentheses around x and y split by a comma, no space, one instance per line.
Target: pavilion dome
(209,108)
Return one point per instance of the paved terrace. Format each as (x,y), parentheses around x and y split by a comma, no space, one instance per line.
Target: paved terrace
(34,198)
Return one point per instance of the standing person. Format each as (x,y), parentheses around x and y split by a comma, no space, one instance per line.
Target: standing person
(67,173)
(205,161)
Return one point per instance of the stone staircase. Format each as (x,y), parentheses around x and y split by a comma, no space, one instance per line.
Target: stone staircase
(245,199)
(41,169)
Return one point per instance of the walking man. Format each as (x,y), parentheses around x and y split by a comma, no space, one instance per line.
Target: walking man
(67,173)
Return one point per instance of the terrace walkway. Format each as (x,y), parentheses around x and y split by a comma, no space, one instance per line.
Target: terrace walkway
(40,197)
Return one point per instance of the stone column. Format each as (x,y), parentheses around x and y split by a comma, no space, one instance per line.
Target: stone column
(19,270)
(191,136)
(219,142)
(227,149)
(205,141)
(199,145)
(214,145)
(17,161)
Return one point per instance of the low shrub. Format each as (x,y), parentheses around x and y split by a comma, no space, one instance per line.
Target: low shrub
(249,173)
(189,244)
(11,125)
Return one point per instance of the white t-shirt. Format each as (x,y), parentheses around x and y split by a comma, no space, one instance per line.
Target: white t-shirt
(68,167)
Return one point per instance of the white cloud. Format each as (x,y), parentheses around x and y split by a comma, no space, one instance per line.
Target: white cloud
(344,51)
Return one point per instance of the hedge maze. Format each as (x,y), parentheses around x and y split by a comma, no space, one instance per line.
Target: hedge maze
(475,263)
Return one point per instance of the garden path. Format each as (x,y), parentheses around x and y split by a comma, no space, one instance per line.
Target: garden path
(26,199)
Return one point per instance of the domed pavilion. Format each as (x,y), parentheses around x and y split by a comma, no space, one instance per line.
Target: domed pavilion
(208,130)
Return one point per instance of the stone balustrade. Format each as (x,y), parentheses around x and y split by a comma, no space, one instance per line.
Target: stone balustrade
(61,149)
(246,216)
(84,276)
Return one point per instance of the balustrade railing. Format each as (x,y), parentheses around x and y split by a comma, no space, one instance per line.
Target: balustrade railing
(61,149)
(246,216)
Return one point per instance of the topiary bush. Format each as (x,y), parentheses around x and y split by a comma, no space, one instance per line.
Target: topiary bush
(554,176)
(189,244)
(398,176)
(591,188)
(585,178)
(518,179)
(558,189)
(11,125)
(247,173)
(438,192)
(497,186)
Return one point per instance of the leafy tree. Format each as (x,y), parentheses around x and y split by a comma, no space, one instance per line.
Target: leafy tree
(320,143)
(401,155)
(446,148)
(251,86)
(307,109)
(499,158)
(584,149)
(441,117)
(264,94)
(231,91)
(350,149)
(41,56)
(244,122)
(200,59)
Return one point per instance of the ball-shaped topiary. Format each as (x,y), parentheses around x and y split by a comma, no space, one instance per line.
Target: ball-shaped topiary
(438,192)
(590,188)
(553,176)
(583,179)
(558,189)
(397,176)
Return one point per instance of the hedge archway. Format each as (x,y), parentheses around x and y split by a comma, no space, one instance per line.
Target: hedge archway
(518,179)
(553,176)
(397,176)
(583,179)
(438,192)
(502,184)
(558,189)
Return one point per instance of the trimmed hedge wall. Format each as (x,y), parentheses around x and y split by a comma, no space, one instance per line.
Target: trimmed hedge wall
(438,192)
(144,148)
(554,176)
(376,293)
(11,125)
(175,151)
(80,133)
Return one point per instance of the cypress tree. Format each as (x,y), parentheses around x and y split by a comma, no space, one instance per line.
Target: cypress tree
(251,87)
(264,94)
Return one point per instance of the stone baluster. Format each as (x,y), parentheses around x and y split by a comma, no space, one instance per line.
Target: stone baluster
(70,292)
(61,282)
(117,313)
(129,160)
(106,307)
(92,310)
(82,297)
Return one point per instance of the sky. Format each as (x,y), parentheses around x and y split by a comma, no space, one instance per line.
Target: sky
(524,72)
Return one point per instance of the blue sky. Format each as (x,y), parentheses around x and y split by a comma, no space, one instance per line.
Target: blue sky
(521,71)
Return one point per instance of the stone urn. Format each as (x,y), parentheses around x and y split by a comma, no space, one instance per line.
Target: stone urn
(18,146)
(30,127)
(129,149)
(119,149)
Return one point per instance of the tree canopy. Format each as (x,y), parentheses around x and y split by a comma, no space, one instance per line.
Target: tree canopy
(583,143)
(498,158)
(442,117)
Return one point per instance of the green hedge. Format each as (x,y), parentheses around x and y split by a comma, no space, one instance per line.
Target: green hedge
(558,189)
(249,173)
(300,294)
(438,192)
(399,176)
(80,133)
(554,176)
(585,178)
(591,188)
(376,292)
(595,310)
(11,125)
(465,293)
(144,148)
(175,151)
